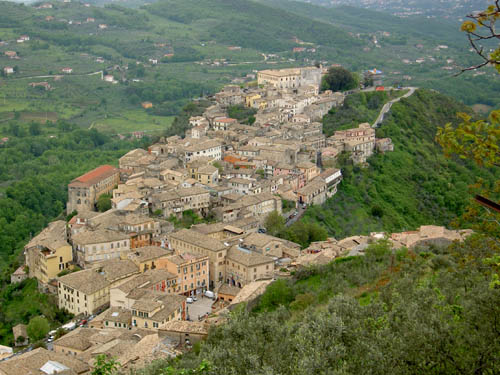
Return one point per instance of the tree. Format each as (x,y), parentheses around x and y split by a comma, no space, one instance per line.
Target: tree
(339,79)
(478,141)
(105,366)
(37,328)
(104,202)
(480,28)
(274,223)
(35,128)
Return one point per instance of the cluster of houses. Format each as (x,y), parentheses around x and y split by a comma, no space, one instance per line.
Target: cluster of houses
(137,272)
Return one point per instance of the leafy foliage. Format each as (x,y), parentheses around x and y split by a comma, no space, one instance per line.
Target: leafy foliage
(104,202)
(37,328)
(105,366)
(339,79)
(302,233)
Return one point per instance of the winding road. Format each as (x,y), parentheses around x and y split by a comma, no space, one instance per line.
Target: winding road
(387,106)
(101,72)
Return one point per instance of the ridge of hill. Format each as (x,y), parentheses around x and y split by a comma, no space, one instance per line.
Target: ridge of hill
(349,18)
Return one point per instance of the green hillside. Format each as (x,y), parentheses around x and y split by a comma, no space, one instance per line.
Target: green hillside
(411,186)
(251,25)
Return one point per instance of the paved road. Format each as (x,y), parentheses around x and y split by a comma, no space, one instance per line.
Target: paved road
(199,308)
(290,220)
(387,106)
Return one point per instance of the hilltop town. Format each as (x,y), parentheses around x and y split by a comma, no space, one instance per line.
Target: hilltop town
(142,280)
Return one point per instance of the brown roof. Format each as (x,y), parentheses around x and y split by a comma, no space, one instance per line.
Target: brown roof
(52,237)
(119,315)
(316,184)
(261,239)
(246,257)
(229,290)
(78,339)
(116,269)
(30,363)
(198,239)
(184,258)
(200,328)
(146,253)
(94,176)
(98,236)
(86,281)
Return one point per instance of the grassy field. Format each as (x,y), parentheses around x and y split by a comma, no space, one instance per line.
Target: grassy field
(133,120)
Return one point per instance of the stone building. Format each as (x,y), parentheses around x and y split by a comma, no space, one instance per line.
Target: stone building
(84,191)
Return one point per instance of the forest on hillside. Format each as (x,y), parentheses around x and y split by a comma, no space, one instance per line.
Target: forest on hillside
(411,186)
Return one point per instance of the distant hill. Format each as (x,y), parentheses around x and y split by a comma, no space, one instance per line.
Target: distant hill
(355,18)
(251,24)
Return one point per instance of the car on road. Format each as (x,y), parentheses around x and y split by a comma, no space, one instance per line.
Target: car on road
(194,298)
(189,300)
(50,339)
(262,230)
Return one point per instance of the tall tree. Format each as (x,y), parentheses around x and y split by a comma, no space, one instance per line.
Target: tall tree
(339,79)
(37,328)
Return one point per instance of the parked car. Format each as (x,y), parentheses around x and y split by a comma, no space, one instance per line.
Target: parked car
(194,298)
(189,300)
(83,322)
(69,326)
(50,339)
(262,230)
(209,294)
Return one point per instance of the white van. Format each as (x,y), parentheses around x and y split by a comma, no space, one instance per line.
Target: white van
(209,294)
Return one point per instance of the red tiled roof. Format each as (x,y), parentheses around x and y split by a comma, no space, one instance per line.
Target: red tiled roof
(95,175)
(226,119)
